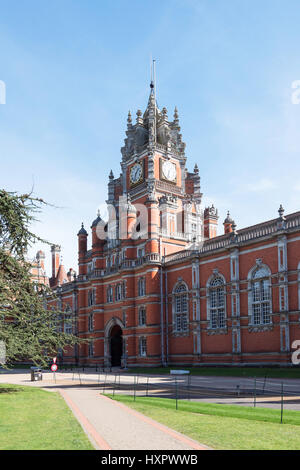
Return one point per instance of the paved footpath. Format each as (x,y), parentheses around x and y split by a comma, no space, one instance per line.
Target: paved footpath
(109,424)
(112,425)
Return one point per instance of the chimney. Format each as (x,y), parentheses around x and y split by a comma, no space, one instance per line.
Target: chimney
(55,251)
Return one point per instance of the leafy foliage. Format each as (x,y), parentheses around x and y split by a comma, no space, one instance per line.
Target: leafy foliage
(29,330)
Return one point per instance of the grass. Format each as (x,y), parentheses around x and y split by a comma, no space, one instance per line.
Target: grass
(223,426)
(34,419)
(290,373)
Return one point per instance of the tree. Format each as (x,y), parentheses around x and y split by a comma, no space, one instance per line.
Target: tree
(27,329)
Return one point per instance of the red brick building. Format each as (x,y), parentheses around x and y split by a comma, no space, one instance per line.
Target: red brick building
(158,286)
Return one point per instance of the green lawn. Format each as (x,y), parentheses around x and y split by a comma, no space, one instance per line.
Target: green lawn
(34,419)
(223,426)
(284,372)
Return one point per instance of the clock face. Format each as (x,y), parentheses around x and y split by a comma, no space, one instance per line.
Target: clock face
(169,171)
(136,173)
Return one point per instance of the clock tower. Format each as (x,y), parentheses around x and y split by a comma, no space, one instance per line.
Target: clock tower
(155,179)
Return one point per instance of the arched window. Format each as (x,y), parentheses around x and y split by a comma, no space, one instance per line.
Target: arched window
(216,302)
(260,296)
(181,307)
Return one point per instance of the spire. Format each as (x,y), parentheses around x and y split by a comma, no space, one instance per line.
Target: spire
(176,119)
(111,175)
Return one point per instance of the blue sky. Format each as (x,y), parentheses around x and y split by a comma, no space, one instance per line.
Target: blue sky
(73,69)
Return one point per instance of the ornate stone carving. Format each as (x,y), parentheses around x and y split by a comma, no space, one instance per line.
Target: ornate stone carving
(260,328)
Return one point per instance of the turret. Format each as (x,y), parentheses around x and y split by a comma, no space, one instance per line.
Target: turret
(228,224)
(98,234)
(210,222)
(82,248)
(40,257)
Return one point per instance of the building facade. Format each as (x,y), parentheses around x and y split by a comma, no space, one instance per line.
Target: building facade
(157,286)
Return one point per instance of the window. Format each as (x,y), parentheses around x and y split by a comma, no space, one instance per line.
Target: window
(142,316)
(216,299)
(91,297)
(123,288)
(143,347)
(68,328)
(181,307)
(118,292)
(141,286)
(91,322)
(260,298)
(299,286)
(91,348)
(109,294)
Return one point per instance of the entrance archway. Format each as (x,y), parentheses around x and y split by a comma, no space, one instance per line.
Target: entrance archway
(116,346)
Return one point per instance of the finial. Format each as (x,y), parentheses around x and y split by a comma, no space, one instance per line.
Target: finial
(176,114)
(196,169)
(111,175)
(139,118)
(129,120)
(228,219)
(82,231)
(98,213)
(281,211)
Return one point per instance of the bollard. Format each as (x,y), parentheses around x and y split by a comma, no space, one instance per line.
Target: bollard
(264,384)
(281,408)
(134,390)
(115,385)
(104,384)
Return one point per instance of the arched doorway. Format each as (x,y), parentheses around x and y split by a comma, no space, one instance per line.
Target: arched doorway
(116,346)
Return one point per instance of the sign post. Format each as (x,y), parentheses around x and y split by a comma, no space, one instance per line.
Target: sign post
(54,368)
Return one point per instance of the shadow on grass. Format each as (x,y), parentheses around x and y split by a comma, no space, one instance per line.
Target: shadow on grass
(10,390)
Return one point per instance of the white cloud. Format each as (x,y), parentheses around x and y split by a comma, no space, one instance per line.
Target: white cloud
(263,184)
